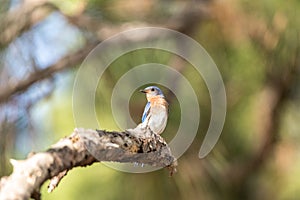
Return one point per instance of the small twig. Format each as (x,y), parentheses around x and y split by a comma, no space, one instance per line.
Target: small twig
(55,180)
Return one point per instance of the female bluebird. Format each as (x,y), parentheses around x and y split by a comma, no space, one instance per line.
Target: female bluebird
(155,114)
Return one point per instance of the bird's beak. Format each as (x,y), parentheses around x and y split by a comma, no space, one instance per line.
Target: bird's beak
(143,91)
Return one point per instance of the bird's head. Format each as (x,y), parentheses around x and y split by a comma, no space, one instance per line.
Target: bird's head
(152,91)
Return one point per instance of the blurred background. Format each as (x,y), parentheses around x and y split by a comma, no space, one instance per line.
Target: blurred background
(255,44)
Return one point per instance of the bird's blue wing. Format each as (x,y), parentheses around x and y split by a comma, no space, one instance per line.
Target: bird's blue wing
(146,111)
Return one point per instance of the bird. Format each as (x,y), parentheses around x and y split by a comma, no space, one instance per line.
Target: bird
(155,113)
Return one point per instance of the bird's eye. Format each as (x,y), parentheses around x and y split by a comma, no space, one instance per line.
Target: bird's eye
(152,89)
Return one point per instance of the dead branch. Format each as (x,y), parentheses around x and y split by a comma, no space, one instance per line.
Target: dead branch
(84,147)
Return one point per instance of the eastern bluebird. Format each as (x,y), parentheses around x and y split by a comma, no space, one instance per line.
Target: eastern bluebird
(155,114)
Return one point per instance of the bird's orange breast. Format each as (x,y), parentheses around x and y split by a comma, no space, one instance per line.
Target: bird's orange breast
(158,101)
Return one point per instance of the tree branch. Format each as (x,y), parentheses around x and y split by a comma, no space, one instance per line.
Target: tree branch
(84,147)
(25,16)
(273,98)
(185,21)
(68,61)
(22,18)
